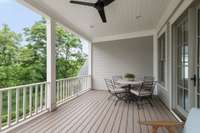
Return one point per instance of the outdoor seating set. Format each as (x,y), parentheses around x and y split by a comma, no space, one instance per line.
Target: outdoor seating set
(139,90)
(131,90)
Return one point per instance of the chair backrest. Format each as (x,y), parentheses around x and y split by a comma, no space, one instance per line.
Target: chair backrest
(192,124)
(117,77)
(109,84)
(148,78)
(148,86)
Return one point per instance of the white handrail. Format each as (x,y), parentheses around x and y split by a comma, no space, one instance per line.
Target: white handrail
(31,99)
(22,86)
(82,76)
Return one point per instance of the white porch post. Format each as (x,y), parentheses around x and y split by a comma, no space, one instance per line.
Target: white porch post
(155,58)
(90,64)
(51,64)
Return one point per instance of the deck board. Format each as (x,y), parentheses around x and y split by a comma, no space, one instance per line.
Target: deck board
(94,113)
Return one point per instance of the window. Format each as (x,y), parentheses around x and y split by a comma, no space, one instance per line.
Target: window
(161,58)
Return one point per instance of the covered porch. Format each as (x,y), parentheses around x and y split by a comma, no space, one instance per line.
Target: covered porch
(142,45)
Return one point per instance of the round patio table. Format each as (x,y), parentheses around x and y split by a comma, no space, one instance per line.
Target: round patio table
(129,85)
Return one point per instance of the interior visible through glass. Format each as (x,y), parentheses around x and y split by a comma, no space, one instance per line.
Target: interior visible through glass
(182,64)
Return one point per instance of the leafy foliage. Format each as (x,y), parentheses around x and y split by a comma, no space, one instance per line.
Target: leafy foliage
(24,64)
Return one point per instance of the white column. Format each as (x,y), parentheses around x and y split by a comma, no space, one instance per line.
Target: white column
(51,64)
(90,64)
(155,59)
(89,58)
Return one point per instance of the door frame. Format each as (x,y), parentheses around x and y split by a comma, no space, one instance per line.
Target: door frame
(196,51)
(190,14)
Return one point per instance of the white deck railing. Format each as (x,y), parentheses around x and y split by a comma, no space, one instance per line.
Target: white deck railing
(71,87)
(21,102)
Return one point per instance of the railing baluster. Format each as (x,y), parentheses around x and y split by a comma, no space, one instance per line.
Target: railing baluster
(17,105)
(24,103)
(56,91)
(74,87)
(86,83)
(9,108)
(1,103)
(58,88)
(36,99)
(41,97)
(45,95)
(30,100)
(63,89)
(26,96)
(71,87)
(68,88)
(80,82)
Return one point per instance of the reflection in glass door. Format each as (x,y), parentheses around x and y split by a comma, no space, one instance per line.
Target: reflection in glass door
(182,64)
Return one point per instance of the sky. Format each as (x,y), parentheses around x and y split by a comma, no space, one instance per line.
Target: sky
(18,17)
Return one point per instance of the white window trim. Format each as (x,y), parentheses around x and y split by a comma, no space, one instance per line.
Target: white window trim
(164,31)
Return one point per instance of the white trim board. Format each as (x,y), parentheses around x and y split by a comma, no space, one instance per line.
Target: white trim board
(168,13)
(124,36)
(180,10)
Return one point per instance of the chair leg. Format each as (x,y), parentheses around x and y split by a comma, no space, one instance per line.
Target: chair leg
(138,102)
(110,97)
(149,101)
(116,102)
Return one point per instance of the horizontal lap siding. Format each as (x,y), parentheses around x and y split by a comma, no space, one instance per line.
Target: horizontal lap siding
(120,57)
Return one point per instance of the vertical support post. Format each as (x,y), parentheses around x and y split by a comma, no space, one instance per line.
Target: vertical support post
(90,65)
(51,64)
(155,58)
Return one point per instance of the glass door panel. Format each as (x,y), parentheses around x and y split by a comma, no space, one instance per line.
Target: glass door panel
(182,50)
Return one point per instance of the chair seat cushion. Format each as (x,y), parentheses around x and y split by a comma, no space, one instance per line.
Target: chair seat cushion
(141,93)
(118,91)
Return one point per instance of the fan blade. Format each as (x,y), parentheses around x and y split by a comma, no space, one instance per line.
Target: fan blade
(107,2)
(102,14)
(82,3)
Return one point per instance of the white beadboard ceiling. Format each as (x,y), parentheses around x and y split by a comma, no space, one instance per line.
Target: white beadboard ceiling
(121,16)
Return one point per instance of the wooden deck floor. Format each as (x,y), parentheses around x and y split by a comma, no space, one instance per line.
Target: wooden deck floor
(93,113)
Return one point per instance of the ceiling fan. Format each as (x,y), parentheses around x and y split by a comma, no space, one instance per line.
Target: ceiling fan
(99,5)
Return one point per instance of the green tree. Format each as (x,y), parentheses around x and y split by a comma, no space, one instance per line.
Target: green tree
(70,56)
(9,47)
(24,64)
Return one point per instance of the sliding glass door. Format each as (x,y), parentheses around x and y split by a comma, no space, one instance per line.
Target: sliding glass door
(182,58)
(186,62)
(181,66)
